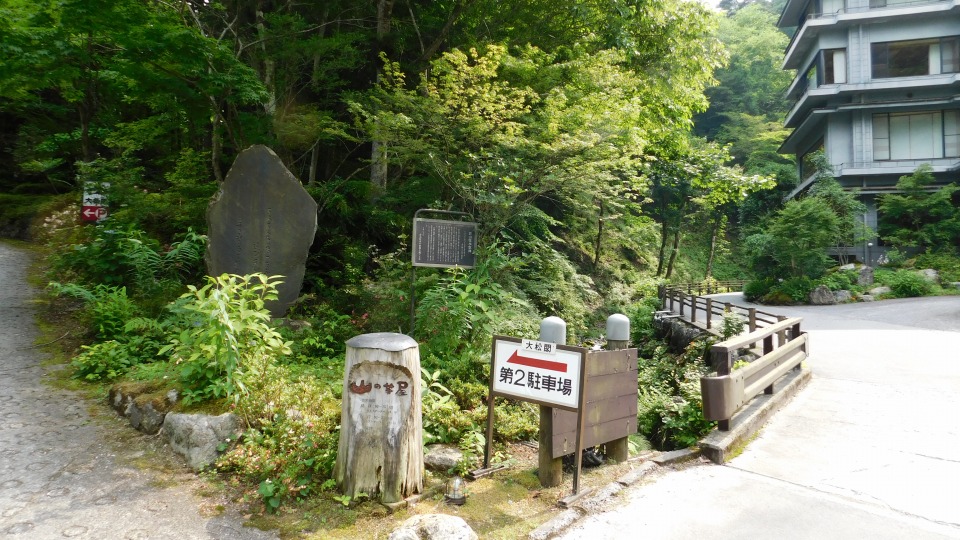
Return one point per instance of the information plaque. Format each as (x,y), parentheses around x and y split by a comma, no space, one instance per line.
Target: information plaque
(444,243)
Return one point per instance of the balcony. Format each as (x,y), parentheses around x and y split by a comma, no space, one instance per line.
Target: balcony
(838,96)
(807,33)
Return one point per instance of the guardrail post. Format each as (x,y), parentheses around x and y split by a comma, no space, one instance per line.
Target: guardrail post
(781,335)
(722,362)
(682,302)
(795,334)
(767,349)
(709,311)
(753,319)
(618,337)
(553,330)
(693,308)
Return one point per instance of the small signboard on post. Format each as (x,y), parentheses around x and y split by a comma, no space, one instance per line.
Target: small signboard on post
(442,243)
(94,207)
(539,372)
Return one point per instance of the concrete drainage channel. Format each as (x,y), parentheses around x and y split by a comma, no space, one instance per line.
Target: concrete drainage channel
(718,447)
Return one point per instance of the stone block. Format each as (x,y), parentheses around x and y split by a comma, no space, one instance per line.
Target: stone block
(262,220)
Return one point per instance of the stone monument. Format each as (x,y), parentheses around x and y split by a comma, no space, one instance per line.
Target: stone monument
(381,437)
(262,220)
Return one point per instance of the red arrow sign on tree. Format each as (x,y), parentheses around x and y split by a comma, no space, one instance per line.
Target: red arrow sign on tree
(515,358)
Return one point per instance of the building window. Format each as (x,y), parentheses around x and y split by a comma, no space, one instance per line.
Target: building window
(917,57)
(919,135)
(834,66)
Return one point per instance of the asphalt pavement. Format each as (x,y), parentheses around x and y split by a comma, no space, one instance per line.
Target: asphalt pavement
(61,473)
(869,449)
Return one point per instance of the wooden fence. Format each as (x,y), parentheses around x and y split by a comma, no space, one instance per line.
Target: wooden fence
(704,311)
(726,392)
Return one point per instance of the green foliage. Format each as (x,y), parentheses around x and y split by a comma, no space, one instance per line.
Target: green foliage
(756,289)
(795,241)
(947,264)
(106,360)
(670,408)
(921,217)
(107,307)
(795,290)
(838,281)
(228,340)
(731,325)
(128,257)
(908,283)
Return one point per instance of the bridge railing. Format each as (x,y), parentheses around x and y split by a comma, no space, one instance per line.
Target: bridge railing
(681,300)
(727,391)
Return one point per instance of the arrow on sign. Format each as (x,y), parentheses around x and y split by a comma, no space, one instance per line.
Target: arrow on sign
(515,358)
(90,212)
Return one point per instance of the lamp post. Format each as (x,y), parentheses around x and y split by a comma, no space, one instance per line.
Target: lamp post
(869,261)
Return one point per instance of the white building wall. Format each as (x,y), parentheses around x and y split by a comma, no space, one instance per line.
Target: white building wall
(839,140)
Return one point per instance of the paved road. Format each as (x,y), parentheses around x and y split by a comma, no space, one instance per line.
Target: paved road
(870,449)
(58,478)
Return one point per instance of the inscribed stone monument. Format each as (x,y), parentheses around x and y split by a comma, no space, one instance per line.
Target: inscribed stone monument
(262,220)
(381,437)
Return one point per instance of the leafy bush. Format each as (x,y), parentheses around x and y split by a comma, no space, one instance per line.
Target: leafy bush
(670,408)
(948,264)
(837,281)
(290,448)
(641,320)
(103,361)
(107,307)
(128,257)
(758,288)
(797,289)
(907,283)
(731,325)
(228,339)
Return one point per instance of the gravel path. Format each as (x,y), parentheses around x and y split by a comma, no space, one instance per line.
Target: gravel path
(61,475)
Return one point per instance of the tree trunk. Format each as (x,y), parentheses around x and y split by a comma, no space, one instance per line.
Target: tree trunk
(663,246)
(673,252)
(378,150)
(596,249)
(713,246)
(381,434)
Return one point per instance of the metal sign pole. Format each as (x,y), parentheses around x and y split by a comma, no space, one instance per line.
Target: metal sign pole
(581,415)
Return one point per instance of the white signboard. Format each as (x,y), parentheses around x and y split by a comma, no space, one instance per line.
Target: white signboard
(537,371)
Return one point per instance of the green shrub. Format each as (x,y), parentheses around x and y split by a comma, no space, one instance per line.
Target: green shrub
(758,288)
(907,283)
(837,281)
(731,325)
(797,289)
(107,308)
(670,408)
(228,340)
(103,361)
(947,264)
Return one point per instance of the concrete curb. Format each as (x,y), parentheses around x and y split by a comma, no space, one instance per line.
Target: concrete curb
(591,504)
(719,446)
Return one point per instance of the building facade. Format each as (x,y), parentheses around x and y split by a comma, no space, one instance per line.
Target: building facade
(878,90)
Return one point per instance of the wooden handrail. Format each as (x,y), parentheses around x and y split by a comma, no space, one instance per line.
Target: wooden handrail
(726,392)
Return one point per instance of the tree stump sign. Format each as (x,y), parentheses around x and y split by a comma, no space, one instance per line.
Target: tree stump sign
(381,439)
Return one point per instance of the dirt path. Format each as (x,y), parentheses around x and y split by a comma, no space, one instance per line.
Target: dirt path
(60,473)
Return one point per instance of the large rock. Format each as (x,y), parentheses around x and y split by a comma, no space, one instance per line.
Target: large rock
(865,276)
(442,457)
(866,298)
(822,296)
(144,405)
(842,296)
(847,267)
(930,275)
(197,437)
(262,220)
(877,291)
(434,527)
